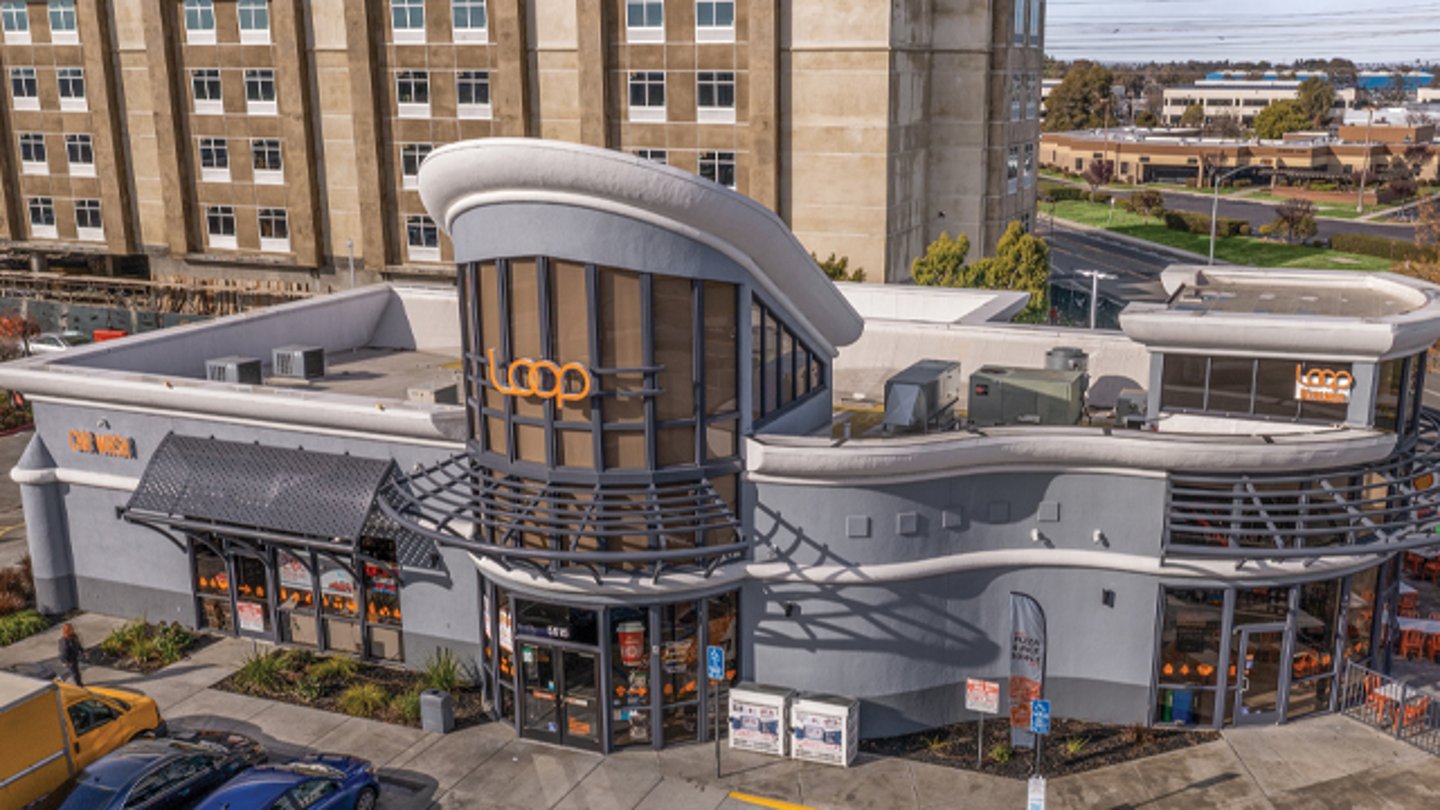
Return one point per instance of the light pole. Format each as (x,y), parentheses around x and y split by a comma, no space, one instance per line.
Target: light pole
(1215,207)
(1365,172)
(1094,276)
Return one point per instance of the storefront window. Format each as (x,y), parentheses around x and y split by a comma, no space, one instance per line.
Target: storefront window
(1388,388)
(1266,389)
(383,618)
(1360,614)
(297,599)
(630,676)
(722,345)
(1183,383)
(212,587)
(1190,656)
(723,630)
(1313,665)
(1261,605)
(339,606)
(252,610)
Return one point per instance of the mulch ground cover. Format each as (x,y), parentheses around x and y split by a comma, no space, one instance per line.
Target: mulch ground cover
(468,704)
(1090,746)
(94,656)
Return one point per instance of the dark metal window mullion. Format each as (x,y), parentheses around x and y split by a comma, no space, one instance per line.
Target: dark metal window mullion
(697,343)
(502,280)
(1205,394)
(764,339)
(592,307)
(322,638)
(469,336)
(647,354)
(547,349)
(1254,385)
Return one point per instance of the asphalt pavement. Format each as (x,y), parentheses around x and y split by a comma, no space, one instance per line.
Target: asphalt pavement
(1258,213)
(1136,269)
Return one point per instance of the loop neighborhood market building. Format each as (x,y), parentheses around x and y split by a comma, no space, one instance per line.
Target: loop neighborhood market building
(632,431)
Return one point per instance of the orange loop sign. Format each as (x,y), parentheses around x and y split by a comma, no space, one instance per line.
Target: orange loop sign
(534,376)
(1323,385)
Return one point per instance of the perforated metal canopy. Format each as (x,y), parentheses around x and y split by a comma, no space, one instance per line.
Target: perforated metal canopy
(278,492)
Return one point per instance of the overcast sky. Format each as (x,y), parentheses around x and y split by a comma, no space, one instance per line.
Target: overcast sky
(1243,30)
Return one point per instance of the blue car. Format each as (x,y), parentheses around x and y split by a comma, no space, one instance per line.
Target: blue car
(316,782)
(159,774)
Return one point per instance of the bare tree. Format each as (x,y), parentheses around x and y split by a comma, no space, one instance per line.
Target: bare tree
(1294,221)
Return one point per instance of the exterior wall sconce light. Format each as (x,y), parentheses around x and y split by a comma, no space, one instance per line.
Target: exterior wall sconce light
(1036,536)
(1107,597)
(791,610)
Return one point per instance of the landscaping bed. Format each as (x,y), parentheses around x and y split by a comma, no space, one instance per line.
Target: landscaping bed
(340,684)
(18,617)
(1073,746)
(139,646)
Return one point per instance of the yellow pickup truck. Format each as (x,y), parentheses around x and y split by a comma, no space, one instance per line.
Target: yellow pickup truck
(50,730)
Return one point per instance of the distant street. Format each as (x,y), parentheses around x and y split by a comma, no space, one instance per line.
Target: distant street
(1137,270)
(1258,214)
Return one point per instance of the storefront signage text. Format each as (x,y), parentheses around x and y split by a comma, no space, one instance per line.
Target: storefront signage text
(1322,385)
(542,378)
(102,444)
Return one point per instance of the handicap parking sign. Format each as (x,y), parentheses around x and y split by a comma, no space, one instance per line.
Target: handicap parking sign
(1040,717)
(715,663)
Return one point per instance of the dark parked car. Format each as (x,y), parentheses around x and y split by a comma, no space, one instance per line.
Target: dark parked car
(316,782)
(159,774)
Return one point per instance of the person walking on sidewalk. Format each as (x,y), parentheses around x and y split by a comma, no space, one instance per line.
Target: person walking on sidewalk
(70,649)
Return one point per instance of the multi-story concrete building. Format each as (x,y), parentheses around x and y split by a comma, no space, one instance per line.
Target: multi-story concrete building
(1142,156)
(258,138)
(1241,98)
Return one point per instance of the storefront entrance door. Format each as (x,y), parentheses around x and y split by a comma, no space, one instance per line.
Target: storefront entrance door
(560,691)
(1260,655)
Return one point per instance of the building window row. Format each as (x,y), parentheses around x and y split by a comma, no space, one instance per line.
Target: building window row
(714,96)
(64,26)
(1028,33)
(88,222)
(718,167)
(208,92)
(472,94)
(70,81)
(253,17)
(422,237)
(714,21)
(469,20)
(784,370)
(79,149)
(1025,89)
(273,225)
(266,159)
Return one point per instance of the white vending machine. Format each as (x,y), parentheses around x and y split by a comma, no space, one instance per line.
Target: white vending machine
(757,718)
(825,728)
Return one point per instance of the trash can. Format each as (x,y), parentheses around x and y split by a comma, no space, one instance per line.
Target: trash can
(437,711)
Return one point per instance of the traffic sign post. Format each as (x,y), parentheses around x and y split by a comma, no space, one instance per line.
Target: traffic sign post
(982,697)
(715,671)
(1039,726)
(1035,793)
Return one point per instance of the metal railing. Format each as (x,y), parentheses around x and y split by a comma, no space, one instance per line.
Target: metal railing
(1392,706)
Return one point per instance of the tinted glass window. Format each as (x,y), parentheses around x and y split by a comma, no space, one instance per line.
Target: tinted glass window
(1231,382)
(1387,394)
(1183,382)
(1275,393)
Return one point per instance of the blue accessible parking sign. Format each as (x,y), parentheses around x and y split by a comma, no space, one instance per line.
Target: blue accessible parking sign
(715,663)
(1040,717)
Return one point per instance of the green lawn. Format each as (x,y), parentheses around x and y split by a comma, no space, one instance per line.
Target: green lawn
(1334,210)
(1244,250)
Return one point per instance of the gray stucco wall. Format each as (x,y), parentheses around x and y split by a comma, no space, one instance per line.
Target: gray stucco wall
(906,648)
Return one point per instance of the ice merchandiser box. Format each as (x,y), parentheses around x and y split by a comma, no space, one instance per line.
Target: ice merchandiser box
(824,728)
(758,718)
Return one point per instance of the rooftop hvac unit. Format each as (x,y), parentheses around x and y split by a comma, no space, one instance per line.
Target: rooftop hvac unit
(923,396)
(1130,406)
(1003,395)
(233,369)
(1067,358)
(300,362)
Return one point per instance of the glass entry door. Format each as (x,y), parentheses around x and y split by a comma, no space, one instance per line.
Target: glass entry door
(561,695)
(1259,651)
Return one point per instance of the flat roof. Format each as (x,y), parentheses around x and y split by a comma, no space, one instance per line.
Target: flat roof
(379,372)
(1335,301)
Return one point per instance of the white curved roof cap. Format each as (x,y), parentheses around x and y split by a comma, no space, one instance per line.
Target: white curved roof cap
(496,171)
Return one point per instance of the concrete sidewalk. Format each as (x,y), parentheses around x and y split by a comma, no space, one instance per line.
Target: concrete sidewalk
(1321,762)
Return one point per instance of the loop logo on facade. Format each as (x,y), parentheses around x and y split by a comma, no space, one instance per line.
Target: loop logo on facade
(540,378)
(1322,385)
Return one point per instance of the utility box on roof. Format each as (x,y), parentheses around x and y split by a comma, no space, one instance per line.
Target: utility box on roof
(923,397)
(1003,395)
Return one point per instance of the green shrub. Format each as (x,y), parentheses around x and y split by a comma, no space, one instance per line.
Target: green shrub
(1074,745)
(330,672)
(262,672)
(1001,753)
(1200,224)
(364,699)
(20,625)
(442,671)
(407,705)
(1062,193)
(1324,185)
(172,643)
(1102,197)
(1396,250)
(124,637)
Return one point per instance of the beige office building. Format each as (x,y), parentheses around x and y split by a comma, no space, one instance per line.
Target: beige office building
(278,138)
